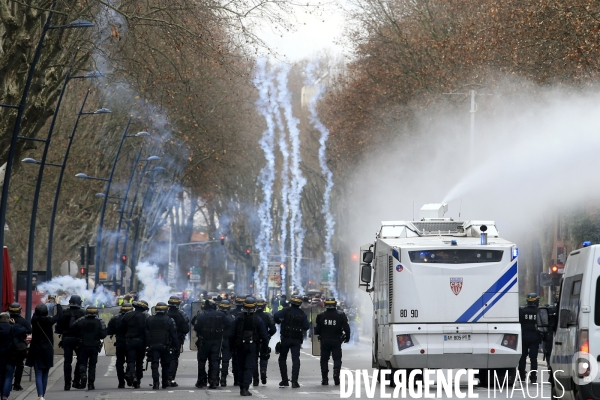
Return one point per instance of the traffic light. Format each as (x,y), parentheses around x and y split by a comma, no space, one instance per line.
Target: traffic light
(555,275)
(189,275)
(248,251)
(82,271)
(222,240)
(123,261)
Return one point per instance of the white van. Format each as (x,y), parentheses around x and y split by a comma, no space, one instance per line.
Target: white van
(576,347)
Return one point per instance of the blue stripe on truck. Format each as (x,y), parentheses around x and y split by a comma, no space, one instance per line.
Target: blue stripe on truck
(486,309)
(489,294)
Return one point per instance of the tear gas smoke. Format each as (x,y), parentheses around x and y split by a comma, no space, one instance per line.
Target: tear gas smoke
(155,289)
(326,209)
(71,286)
(266,106)
(298,181)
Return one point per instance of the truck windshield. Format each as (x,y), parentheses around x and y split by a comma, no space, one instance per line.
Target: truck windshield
(458,256)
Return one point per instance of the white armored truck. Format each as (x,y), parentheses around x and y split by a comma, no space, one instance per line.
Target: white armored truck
(445,295)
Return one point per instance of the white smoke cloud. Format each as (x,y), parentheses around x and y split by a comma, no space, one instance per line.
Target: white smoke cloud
(155,290)
(71,286)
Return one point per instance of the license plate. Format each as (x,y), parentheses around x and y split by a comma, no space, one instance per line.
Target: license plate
(457,338)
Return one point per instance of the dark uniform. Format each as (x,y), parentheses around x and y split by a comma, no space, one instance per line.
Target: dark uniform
(210,327)
(182,323)
(71,341)
(293,322)
(91,330)
(332,327)
(249,332)
(224,307)
(161,339)
(133,326)
(263,356)
(121,342)
(530,335)
(21,353)
(237,311)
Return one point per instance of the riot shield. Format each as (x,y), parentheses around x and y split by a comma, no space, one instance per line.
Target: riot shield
(106,315)
(58,351)
(196,309)
(316,345)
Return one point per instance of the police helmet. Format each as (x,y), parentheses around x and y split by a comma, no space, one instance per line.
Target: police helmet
(249,304)
(210,304)
(91,311)
(142,304)
(296,300)
(161,308)
(75,301)
(533,299)
(14,309)
(224,305)
(260,303)
(330,303)
(174,301)
(126,307)
(239,300)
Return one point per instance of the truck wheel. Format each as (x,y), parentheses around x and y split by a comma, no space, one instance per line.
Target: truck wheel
(482,375)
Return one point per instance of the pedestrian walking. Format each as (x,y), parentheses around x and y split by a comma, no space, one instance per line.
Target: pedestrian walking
(182,323)
(41,348)
(161,339)
(10,337)
(70,341)
(293,322)
(120,343)
(91,330)
(249,333)
(332,328)
(14,311)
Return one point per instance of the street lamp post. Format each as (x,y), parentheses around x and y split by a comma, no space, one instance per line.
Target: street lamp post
(16,129)
(137,225)
(124,204)
(106,196)
(36,196)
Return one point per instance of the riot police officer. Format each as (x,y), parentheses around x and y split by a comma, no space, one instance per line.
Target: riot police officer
(239,304)
(121,342)
(224,307)
(249,332)
(530,335)
(332,327)
(133,326)
(14,310)
(269,322)
(70,341)
(182,323)
(161,338)
(293,322)
(210,327)
(91,330)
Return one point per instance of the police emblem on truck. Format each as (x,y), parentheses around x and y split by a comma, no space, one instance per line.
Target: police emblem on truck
(456,285)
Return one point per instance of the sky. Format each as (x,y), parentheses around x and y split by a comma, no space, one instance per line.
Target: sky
(313,34)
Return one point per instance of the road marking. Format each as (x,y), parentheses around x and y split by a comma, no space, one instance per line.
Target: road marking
(257,393)
(111,367)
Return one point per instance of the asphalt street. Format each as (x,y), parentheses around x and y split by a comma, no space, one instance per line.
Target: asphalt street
(355,357)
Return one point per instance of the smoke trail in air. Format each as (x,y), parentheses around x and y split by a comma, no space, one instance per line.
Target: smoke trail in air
(298,181)
(326,209)
(265,106)
(285,190)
